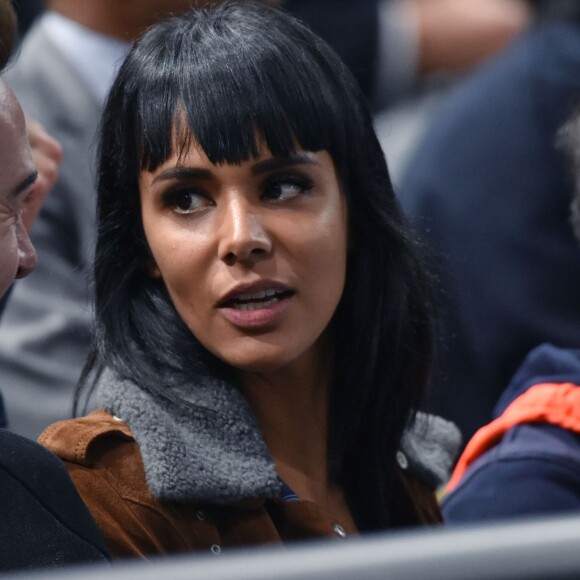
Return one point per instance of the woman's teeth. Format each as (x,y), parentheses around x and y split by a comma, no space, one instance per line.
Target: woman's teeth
(255,305)
(258,295)
(256,300)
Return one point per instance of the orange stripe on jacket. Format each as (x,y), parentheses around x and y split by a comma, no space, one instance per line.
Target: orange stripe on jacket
(552,403)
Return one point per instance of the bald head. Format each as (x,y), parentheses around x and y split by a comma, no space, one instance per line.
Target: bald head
(125,19)
(7,31)
(17,176)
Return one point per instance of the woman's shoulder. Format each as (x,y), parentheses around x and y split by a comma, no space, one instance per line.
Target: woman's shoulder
(100,453)
(74,440)
(426,455)
(106,466)
(429,448)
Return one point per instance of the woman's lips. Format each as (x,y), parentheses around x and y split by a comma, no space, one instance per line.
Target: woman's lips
(256,309)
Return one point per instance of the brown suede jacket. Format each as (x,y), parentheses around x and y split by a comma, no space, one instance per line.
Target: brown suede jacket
(106,466)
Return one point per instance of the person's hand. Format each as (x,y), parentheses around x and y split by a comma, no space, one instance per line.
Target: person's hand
(47,155)
(455,35)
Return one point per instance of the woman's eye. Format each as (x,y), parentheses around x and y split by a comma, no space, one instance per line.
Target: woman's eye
(185,201)
(286,189)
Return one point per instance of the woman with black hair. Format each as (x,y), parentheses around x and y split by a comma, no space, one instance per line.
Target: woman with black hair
(264,329)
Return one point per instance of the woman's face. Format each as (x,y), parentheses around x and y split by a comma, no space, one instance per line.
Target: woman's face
(253,255)
(17,175)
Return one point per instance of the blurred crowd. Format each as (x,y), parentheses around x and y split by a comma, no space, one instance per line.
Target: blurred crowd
(473,103)
(405,54)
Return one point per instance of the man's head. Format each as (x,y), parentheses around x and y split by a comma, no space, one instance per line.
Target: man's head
(126,19)
(17,171)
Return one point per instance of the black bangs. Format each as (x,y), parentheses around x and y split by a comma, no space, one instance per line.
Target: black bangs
(235,91)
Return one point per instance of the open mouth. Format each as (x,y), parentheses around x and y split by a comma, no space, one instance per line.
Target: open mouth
(257,300)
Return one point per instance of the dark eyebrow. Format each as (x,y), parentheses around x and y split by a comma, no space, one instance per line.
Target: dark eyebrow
(275,163)
(24,184)
(183,173)
(271,164)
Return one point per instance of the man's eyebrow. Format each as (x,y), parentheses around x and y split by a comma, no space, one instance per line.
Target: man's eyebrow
(275,163)
(24,184)
(183,173)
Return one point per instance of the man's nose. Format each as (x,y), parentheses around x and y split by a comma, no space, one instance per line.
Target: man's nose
(27,259)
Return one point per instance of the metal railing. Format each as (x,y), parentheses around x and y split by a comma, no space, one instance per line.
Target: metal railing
(533,549)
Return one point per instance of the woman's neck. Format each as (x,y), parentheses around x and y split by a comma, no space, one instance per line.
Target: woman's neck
(291,406)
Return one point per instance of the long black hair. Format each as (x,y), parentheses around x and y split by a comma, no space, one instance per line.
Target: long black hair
(237,73)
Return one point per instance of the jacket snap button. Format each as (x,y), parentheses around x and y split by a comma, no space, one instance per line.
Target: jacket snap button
(200,516)
(339,531)
(216,550)
(402,460)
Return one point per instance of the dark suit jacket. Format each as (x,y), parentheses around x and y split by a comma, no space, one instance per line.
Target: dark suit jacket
(350,27)
(43,522)
(489,189)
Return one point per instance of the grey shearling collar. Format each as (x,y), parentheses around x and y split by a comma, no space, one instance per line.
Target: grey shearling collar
(213,450)
(431,445)
(210,451)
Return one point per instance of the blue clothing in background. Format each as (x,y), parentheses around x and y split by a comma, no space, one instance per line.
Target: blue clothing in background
(490,191)
(535,469)
(350,28)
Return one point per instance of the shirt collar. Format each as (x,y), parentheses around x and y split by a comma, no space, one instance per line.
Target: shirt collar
(94,56)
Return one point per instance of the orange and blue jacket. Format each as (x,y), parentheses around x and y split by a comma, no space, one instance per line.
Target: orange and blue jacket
(527,460)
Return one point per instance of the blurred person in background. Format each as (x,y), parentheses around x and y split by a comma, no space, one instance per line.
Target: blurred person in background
(46,155)
(488,188)
(407,53)
(390,44)
(526,462)
(27,11)
(43,522)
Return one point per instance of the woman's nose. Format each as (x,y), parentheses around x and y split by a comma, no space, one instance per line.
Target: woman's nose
(26,253)
(242,234)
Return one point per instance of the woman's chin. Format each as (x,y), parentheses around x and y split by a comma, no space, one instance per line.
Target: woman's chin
(260,358)
(257,364)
